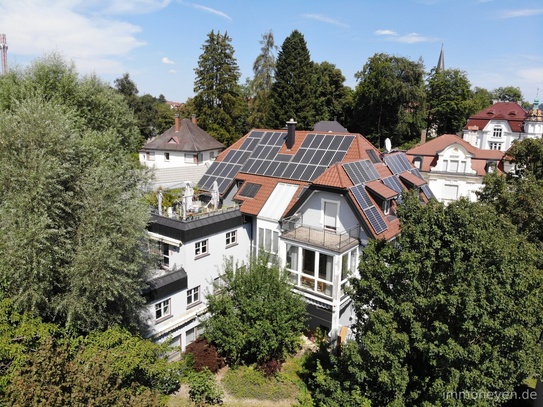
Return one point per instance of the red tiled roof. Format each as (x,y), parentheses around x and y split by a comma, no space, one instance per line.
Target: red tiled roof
(509,111)
(412,179)
(381,189)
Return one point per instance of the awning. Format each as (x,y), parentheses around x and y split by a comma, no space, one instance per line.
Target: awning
(381,190)
(412,179)
(164,239)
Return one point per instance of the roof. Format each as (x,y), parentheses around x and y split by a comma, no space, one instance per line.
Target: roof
(189,137)
(329,126)
(344,162)
(509,111)
(166,285)
(430,151)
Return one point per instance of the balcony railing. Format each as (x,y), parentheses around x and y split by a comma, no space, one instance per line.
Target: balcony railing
(294,229)
(198,211)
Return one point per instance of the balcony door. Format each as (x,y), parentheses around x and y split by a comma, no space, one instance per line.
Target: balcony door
(330,215)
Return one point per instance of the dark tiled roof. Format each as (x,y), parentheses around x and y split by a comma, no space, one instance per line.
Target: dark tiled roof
(509,111)
(332,126)
(190,138)
(166,285)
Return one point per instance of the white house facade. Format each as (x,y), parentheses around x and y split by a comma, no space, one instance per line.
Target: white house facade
(453,168)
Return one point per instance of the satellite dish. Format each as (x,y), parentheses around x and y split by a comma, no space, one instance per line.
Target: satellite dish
(388,145)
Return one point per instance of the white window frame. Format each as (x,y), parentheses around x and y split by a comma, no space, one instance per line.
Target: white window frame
(497,132)
(189,158)
(192,334)
(495,145)
(330,222)
(163,309)
(193,295)
(167,157)
(231,238)
(201,248)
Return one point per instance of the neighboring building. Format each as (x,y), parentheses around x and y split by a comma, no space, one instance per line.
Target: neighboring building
(181,153)
(497,126)
(191,254)
(453,168)
(314,200)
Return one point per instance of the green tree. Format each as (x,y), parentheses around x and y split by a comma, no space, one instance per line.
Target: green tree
(449,101)
(389,100)
(508,94)
(254,315)
(332,96)
(218,102)
(261,84)
(482,99)
(293,93)
(72,220)
(454,305)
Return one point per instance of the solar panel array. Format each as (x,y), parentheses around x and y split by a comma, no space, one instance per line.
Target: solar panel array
(372,213)
(259,155)
(361,171)
(397,163)
(394,183)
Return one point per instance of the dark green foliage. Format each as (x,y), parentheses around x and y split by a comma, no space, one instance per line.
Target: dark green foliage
(42,365)
(333,98)
(218,103)
(203,389)
(254,316)
(481,99)
(449,101)
(71,215)
(389,100)
(293,92)
(454,305)
(507,94)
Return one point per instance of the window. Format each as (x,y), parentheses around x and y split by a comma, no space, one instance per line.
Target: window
(497,132)
(386,206)
(200,248)
(268,240)
(453,166)
(231,237)
(193,334)
(189,159)
(193,295)
(495,146)
(330,215)
(212,155)
(166,156)
(162,309)
(150,155)
(450,192)
(165,254)
(417,162)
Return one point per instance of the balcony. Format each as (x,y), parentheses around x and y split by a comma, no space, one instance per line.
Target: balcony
(294,229)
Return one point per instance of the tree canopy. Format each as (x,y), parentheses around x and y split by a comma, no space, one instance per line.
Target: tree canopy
(72,220)
(293,93)
(218,102)
(254,315)
(389,100)
(454,305)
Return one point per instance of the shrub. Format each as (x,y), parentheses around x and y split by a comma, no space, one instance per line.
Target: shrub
(203,389)
(204,355)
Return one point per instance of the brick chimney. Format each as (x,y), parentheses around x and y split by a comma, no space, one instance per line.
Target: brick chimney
(194,119)
(291,133)
(177,123)
(423,137)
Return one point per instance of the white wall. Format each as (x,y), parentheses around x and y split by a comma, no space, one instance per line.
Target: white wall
(177,158)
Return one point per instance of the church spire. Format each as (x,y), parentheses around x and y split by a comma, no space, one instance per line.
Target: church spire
(441,61)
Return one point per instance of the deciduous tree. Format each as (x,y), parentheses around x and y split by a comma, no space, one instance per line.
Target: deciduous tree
(254,315)
(333,98)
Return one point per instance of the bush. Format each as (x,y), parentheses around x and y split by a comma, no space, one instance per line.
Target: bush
(203,389)
(271,368)
(205,355)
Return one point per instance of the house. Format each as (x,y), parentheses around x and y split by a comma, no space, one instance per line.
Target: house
(314,200)
(454,168)
(190,252)
(181,153)
(497,126)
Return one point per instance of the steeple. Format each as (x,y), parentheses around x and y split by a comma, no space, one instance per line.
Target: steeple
(441,61)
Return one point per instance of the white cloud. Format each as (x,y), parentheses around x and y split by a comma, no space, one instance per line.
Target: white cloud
(167,61)
(325,19)
(95,43)
(520,13)
(385,32)
(131,6)
(535,75)
(207,10)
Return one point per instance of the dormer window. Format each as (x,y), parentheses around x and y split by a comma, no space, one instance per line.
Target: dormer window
(386,206)
(417,162)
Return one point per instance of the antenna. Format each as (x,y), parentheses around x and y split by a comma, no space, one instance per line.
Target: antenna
(4,49)
(388,145)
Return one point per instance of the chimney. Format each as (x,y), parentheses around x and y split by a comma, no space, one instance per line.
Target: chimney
(177,125)
(291,133)
(194,120)
(423,137)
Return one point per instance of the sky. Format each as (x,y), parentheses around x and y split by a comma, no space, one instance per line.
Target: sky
(497,43)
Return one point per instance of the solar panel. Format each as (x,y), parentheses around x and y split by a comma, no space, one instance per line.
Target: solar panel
(326,158)
(250,190)
(416,172)
(361,171)
(427,191)
(270,170)
(326,141)
(297,174)
(376,219)
(308,140)
(397,163)
(393,183)
(336,142)
(278,139)
(346,143)
(362,196)
(299,154)
(318,171)
(308,172)
(280,170)
(317,140)
(373,156)
(283,157)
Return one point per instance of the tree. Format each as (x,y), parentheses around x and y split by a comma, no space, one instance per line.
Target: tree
(126,86)
(389,100)
(218,102)
(261,84)
(508,94)
(482,99)
(293,93)
(449,96)
(254,315)
(452,306)
(333,97)
(72,218)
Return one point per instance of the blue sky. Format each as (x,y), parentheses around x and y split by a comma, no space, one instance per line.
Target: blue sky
(158,42)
